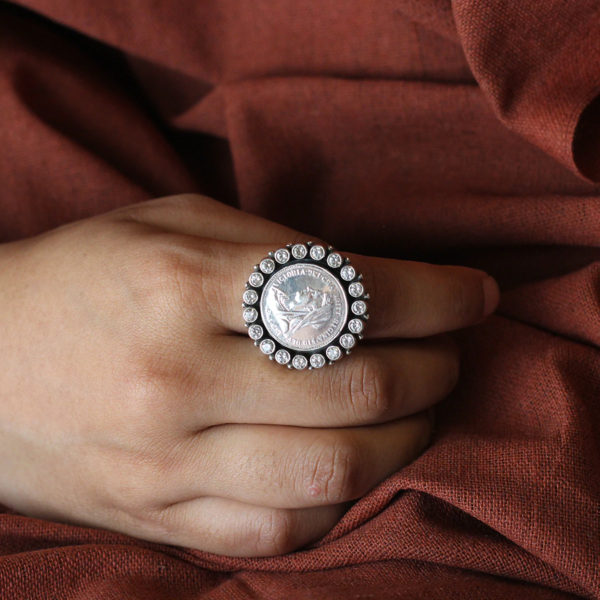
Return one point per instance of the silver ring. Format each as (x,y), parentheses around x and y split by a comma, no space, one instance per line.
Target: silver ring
(305,306)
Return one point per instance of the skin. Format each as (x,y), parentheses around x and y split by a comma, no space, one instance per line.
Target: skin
(129,401)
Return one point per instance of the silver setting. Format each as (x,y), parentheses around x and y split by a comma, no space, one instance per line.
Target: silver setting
(255,332)
(282,356)
(250,315)
(347,273)
(333,353)
(317,252)
(356,325)
(267,346)
(256,279)
(267,265)
(317,361)
(334,260)
(347,341)
(299,251)
(282,255)
(250,297)
(305,306)
(299,362)
(359,307)
(356,289)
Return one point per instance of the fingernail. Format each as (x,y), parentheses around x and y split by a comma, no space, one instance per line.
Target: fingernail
(491,294)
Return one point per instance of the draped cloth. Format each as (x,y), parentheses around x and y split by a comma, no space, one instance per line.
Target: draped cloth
(460,132)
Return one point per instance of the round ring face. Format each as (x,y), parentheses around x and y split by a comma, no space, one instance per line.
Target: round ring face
(305,306)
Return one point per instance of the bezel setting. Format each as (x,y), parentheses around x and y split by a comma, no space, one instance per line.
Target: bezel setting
(354,322)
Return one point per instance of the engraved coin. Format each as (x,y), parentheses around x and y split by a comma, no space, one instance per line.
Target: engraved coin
(304,307)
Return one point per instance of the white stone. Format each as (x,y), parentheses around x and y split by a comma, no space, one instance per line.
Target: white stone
(267,346)
(282,255)
(347,341)
(333,352)
(356,326)
(282,357)
(299,362)
(359,307)
(299,251)
(250,297)
(256,279)
(255,332)
(267,265)
(356,289)
(317,361)
(334,260)
(317,252)
(250,315)
(347,273)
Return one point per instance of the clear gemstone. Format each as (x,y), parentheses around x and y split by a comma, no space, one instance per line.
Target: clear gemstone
(356,325)
(317,252)
(333,352)
(356,289)
(282,357)
(299,362)
(334,260)
(359,307)
(347,273)
(299,251)
(250,315)
(267,265)
(347,341)
(255,332)
(317,361)
(282,255)
(267,346)
(250,296)
(256,279)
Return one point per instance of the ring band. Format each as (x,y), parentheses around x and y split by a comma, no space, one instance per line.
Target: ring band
(305,306)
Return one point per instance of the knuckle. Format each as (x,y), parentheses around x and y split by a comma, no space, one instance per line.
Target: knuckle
(334,472)
(273,533)
(369,390)
(146,387)
(168,278)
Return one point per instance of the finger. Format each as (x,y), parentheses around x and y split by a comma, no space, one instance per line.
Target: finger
(234,528)
(407,298)
(295,467)
(383,382)
(416,299)
(193,214)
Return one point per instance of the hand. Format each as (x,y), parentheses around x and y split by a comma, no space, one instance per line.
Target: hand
(127,402)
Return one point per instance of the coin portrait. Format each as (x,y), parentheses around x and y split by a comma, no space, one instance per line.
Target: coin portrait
(304,307)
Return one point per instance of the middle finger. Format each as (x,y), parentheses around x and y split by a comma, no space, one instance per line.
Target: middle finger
(385,381)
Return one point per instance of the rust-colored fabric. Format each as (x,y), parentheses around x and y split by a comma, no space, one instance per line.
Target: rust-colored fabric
(452,132)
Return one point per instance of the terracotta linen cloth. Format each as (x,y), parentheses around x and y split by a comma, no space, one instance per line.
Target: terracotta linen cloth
(460,132)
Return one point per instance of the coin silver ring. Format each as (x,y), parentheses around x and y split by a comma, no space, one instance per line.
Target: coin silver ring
(305,306)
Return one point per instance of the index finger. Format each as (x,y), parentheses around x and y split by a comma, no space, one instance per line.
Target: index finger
(406,298)
(417,299)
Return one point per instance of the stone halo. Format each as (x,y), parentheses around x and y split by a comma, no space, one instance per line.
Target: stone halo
(305,306)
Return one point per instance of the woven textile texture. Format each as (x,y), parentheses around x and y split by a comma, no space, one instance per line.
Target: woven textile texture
(461,132)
